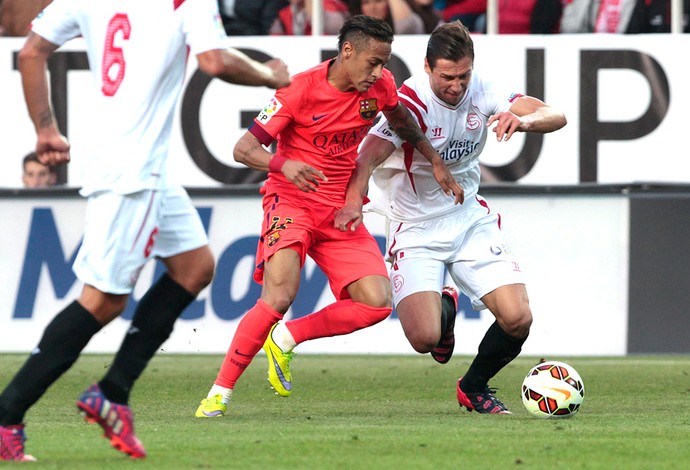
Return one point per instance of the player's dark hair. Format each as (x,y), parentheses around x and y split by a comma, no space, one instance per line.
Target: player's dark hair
(362,27)
(449,41)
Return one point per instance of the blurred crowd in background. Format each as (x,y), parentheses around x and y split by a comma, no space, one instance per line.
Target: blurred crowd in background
(293,17)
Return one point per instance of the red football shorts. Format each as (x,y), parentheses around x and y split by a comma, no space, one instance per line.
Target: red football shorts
(307,227)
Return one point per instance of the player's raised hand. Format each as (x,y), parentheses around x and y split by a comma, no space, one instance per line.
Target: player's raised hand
(52,148)
(507,124)
(302,175)
(445,179)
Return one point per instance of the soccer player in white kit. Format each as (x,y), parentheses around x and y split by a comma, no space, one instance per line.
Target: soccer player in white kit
(137,51)
(428,233)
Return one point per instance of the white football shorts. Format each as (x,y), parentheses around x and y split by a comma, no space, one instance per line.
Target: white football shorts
(468,244)
(123,231)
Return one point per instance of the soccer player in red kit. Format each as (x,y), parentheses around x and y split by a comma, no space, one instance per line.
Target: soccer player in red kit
(319,122)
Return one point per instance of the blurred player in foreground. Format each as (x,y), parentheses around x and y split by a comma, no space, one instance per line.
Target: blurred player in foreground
(137,51)
(319,121)
(427,233)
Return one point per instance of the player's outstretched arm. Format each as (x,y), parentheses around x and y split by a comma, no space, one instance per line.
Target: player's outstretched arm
(372,153)
(233,66)
(527,114)
(407,128)
(51,146)
(537,116)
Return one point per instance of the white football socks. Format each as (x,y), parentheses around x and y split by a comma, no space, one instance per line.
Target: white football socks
(283,338)
(225,393)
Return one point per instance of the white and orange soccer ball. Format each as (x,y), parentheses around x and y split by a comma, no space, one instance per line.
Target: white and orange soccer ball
(553,389)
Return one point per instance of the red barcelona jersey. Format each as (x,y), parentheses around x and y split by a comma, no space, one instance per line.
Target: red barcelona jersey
(316,123)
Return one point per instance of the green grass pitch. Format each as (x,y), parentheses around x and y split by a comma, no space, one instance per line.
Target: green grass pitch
(371,412)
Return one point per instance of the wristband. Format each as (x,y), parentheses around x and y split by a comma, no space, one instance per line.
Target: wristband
(276,163)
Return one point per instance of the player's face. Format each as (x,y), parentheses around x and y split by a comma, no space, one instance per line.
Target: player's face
(365,64)
(449,79)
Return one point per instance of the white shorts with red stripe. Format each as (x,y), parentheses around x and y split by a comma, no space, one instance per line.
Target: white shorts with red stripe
(123,231)
(469,245)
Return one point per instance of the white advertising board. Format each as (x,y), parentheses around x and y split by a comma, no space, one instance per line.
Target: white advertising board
(574,250)
(624,97)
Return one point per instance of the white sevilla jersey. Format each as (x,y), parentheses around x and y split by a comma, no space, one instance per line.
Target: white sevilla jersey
(404,188)
(137,52)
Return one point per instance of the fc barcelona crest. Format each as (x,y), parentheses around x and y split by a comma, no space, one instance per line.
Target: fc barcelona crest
(368,109)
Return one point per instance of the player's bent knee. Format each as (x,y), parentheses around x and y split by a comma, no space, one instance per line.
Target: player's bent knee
(423,343)
(193,270)
(280,301)
(518,325)
(205,277)
(380,302)
(196,279)
(204,271)
(375,298)
(102,306)
(374,291)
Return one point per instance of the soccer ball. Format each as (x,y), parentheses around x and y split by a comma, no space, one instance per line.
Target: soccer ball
(553,390)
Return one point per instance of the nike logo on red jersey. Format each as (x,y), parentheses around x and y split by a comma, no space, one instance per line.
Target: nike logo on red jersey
(314,117)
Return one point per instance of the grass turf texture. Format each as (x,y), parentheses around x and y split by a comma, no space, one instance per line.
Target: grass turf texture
(371,412)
